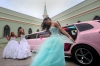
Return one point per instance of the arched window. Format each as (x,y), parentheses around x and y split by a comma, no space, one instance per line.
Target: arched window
(37,30)
(19,30)
(96,18)
(6,31)
(29,31)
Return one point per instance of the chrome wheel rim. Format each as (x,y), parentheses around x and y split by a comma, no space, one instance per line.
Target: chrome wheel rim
(83,56)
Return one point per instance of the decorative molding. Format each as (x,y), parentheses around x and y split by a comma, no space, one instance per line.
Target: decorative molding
(17,16)
(83,13)
(76,9)
(17,21)
(1,37)
(3,43)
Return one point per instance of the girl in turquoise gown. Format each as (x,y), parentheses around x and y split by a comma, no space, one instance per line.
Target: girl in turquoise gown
(51,52)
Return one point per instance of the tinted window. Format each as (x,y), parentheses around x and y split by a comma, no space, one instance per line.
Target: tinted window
(45,34)
(84,26)
(34,36)
(72,31)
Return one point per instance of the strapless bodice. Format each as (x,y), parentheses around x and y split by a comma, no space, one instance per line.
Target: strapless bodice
(54,31)
(22,36)
(12,38)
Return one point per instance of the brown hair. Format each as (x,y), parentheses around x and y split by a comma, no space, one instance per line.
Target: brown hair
(21,32)
(44,26)
(12,34)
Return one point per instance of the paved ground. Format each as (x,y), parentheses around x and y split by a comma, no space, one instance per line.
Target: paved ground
(26,62)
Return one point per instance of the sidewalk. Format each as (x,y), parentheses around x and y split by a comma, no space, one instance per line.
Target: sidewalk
(25,62)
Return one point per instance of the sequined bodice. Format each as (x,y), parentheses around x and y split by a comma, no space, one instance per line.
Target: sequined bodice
(54,31)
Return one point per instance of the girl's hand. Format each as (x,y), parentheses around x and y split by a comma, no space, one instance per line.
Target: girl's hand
(71,39)
(63,31)
(16,36)
(7,37)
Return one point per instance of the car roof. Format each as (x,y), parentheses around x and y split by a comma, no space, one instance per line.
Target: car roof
(89,22)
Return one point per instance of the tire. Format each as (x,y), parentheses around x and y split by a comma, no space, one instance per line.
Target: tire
(85,55)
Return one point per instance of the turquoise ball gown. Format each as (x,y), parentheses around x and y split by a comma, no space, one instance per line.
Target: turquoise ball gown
(51,52)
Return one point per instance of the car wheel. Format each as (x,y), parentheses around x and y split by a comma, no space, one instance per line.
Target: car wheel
(84,55)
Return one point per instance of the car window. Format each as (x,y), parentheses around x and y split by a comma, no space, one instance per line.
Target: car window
(37,35)
(71,30)
(32,36)
(84,26)
(44,34)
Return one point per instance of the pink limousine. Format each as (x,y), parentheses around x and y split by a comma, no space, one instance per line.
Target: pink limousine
(85,50)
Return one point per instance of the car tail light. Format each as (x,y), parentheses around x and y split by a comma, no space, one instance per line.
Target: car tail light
(67,46)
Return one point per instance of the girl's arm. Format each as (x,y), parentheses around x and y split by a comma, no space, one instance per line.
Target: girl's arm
(16,36)
(63,31)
